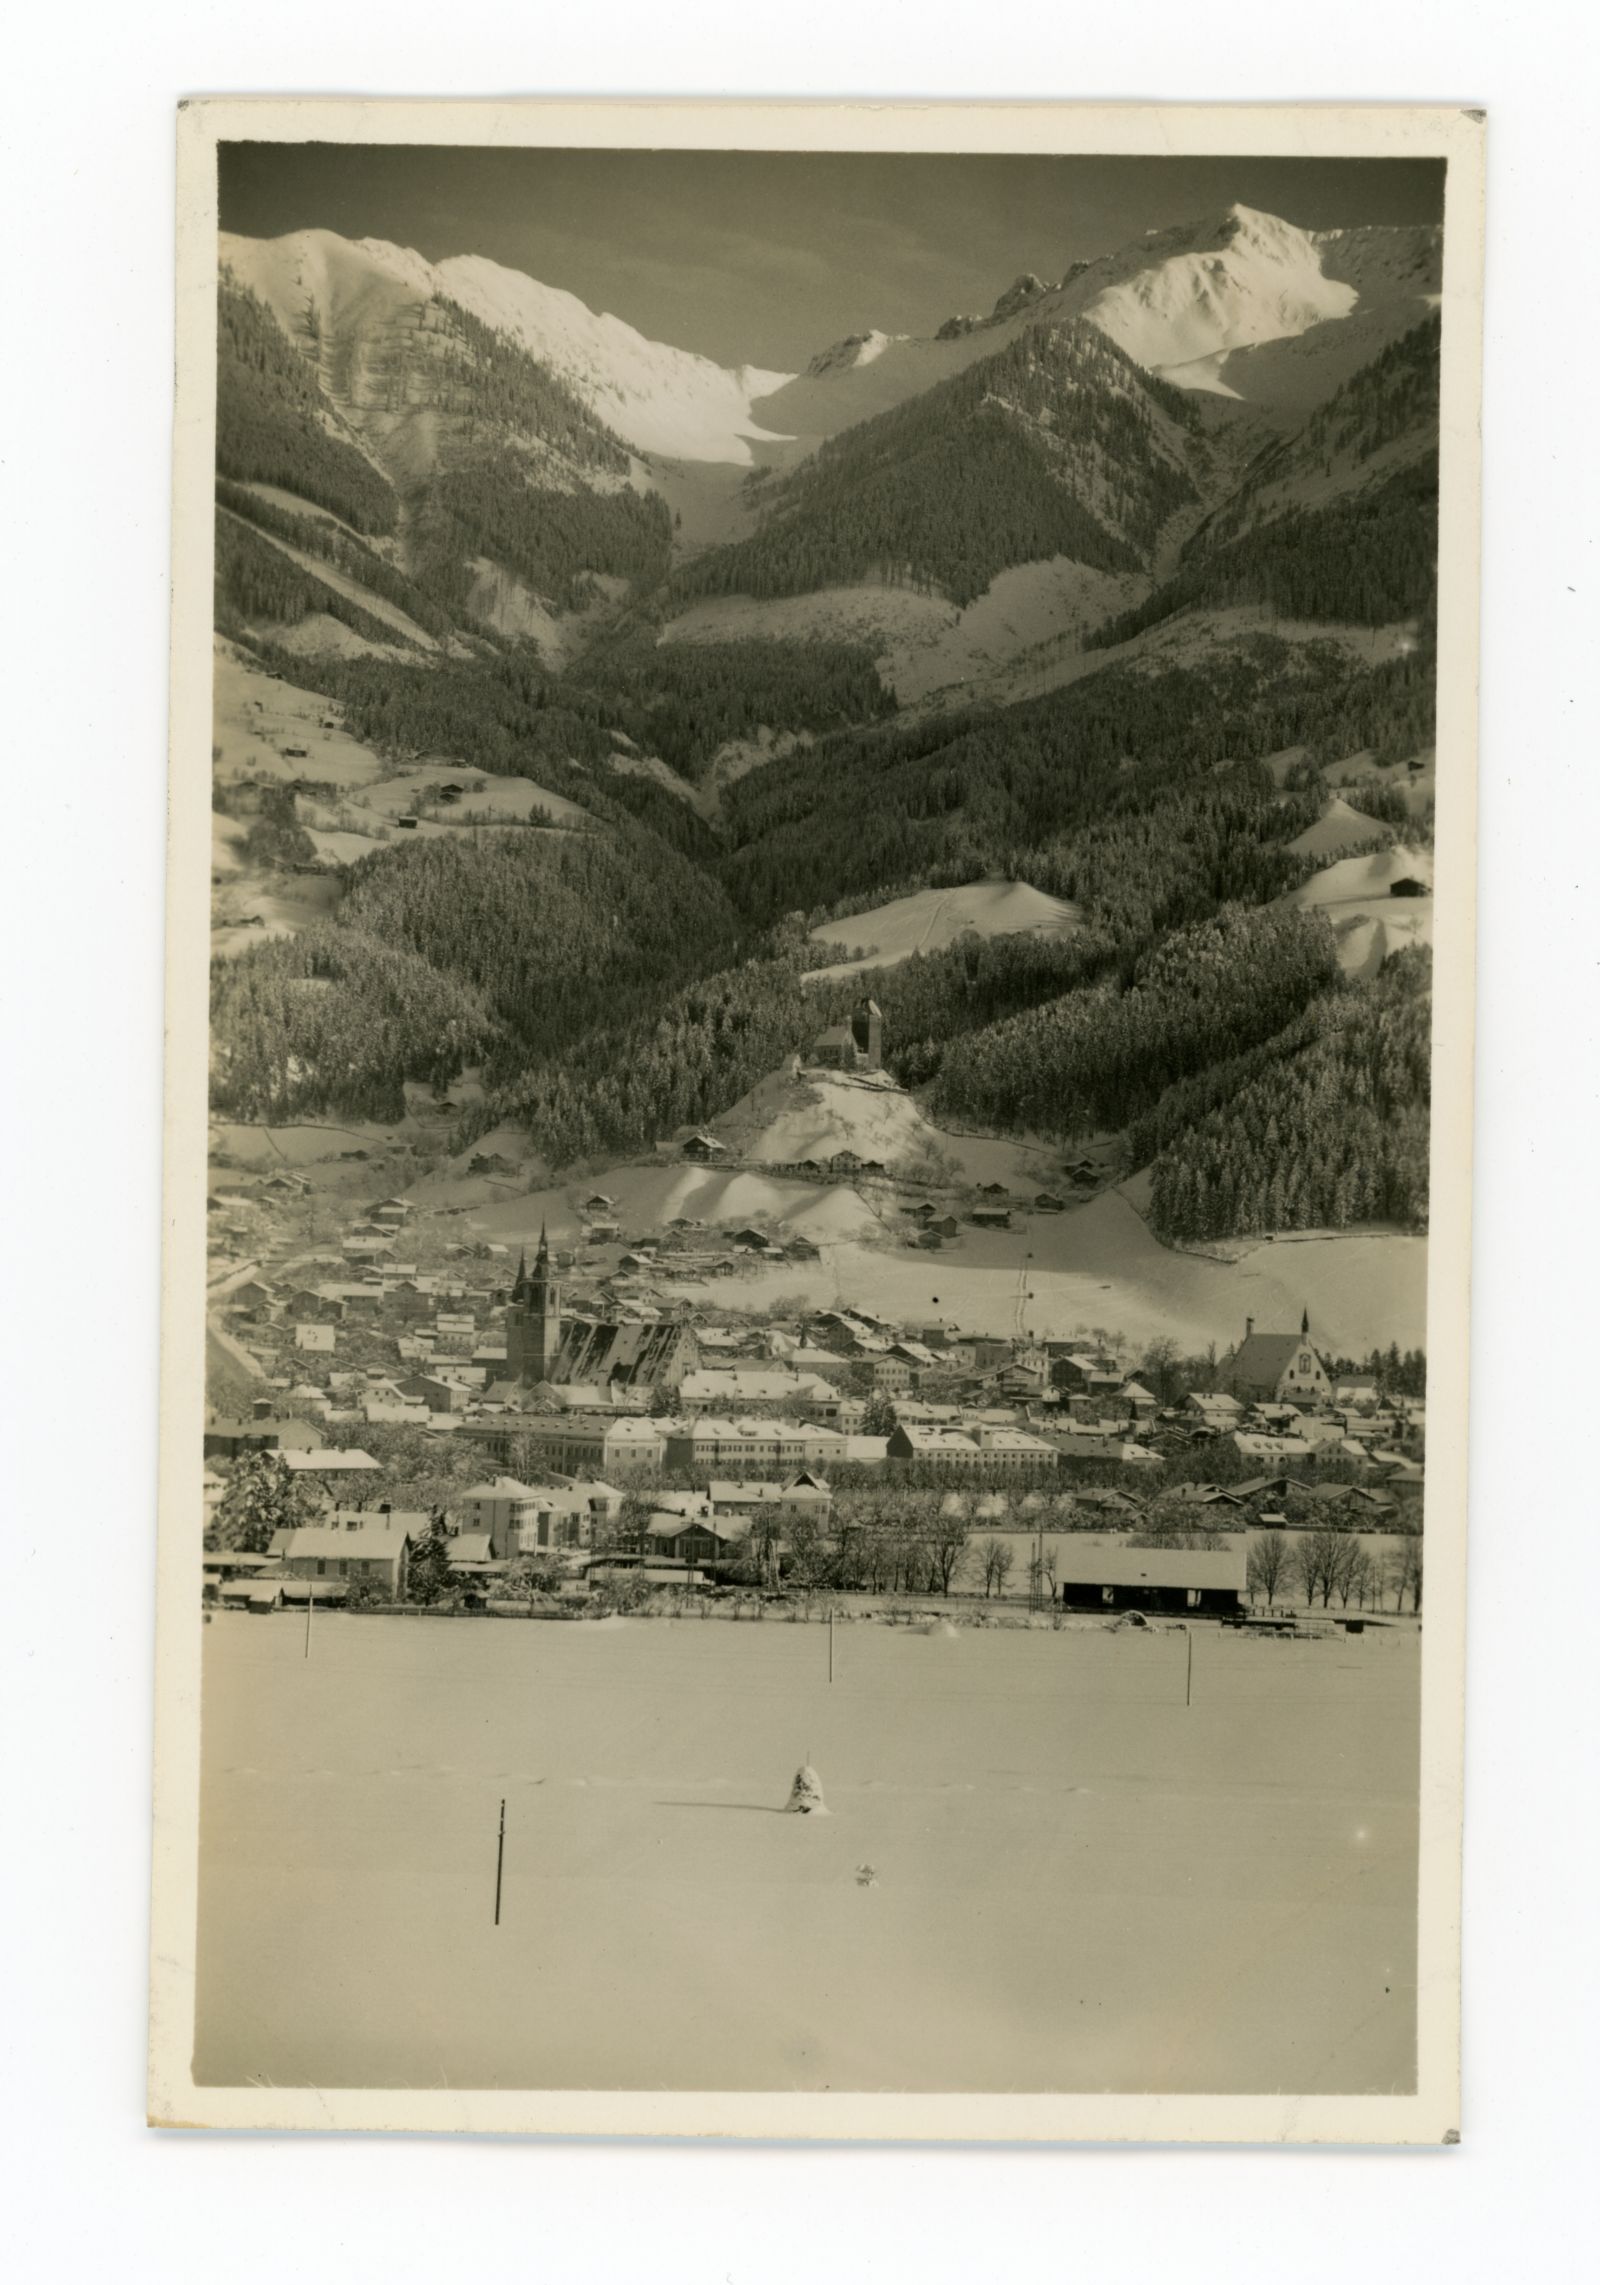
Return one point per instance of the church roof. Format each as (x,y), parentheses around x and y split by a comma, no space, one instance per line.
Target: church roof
(1262,1359)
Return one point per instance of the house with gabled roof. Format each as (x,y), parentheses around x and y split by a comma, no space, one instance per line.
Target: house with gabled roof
(1276,1368)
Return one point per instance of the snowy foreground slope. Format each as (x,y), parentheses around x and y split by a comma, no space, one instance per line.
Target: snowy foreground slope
(1031,1841)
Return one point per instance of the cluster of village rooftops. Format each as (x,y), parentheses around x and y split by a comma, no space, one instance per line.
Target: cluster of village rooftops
(576,1400)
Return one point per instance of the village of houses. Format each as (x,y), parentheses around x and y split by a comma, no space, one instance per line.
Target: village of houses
(472,1430)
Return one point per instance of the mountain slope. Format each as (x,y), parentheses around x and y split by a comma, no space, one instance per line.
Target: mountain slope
(1240,304)
(1057,445)
(364,298)
(1338,522)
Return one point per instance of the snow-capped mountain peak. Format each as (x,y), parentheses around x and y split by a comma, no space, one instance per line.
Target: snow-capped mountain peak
(661,400)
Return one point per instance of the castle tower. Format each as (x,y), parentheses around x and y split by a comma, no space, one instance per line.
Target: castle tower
(533,1319)
(866,1028)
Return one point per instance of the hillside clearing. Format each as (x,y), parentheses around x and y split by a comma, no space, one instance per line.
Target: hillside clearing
(924,644)
(255,716)
(1367,921)
(1339,827)
(934,918)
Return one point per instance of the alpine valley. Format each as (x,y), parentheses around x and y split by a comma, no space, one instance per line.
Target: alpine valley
(601,733)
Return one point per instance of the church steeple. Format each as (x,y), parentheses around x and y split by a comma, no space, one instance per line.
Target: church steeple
(1305,1324)
(533,1320)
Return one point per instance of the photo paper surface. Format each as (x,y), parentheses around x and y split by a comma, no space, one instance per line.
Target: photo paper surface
(819,1117)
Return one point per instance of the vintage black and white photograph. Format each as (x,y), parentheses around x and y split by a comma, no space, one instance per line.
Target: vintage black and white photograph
(800,1464)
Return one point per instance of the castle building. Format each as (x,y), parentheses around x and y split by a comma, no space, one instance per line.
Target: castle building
(544,1344)
(853,1046)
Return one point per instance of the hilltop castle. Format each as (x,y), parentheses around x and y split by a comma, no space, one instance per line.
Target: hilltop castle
(544,1344)
(853,1046)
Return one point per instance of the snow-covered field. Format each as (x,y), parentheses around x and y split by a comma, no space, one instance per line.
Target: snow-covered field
(1369,922)
(924,643)
(933,918)
(1040,1870)
(1048,1276)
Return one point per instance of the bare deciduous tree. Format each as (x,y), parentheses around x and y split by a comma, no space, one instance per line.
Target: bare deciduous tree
(1268,1565)
(997,1558)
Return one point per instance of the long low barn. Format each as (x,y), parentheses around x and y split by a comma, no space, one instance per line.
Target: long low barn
(1090,1576)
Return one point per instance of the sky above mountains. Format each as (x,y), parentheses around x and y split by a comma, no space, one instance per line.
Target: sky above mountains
(766,258)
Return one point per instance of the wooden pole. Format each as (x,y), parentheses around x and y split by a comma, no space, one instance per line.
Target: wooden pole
(1188,1686)
(499,1864)
(830,1646)
(311,1596)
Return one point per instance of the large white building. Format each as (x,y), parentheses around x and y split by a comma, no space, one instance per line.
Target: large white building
(535,1519)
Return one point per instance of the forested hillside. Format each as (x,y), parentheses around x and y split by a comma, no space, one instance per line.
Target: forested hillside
(254,581)
(684,701)
(1386,413)
(498,946)
(1334,1130)
(1007,789)
(561,933)
(1337,522)
(619,1087)
(336,1020)
(1366,559)
(489,501)
(1058,445)
(316,536)
(273,424)
(1096,1057)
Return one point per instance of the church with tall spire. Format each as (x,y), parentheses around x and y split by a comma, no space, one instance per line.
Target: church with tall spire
(547,1345)
(533,1320)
